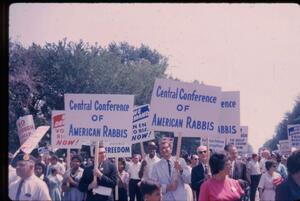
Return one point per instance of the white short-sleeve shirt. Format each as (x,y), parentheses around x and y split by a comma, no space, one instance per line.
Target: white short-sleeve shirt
(33,188)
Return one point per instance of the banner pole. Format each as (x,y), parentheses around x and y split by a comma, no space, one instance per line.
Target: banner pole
(117,187)
(68,158)
(142,150)
(178,145)
(96,159)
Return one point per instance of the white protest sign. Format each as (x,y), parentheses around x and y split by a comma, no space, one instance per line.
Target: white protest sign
(241,142)
(140,131)
(117,149)
(216,144)
(58,134)
(294,135)
(284,147)
(229,121)
(34,139)
(25,127)
(99,117)
(190,109)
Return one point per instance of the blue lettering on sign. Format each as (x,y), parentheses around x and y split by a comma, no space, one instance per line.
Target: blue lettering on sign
(81,105)
(117,149)
(225,129)
(199,125)
(228,104)
(166,122)
(84,131)
(184,95)
(114,132)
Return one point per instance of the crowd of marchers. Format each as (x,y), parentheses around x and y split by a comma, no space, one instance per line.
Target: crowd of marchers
(157,176)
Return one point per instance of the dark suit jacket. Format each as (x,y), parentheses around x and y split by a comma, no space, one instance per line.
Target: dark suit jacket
(197,178)
(288,191)
(108,179)
(240,173)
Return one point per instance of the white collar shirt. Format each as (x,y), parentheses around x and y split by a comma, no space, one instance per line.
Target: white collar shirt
(33,188)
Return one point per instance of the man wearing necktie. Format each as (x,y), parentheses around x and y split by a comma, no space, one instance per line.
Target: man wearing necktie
(200,173)
(28,186)
(239,170)
(100,189)
(171,174)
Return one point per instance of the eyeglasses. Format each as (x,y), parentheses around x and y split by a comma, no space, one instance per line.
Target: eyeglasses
(195,159)
(201,152)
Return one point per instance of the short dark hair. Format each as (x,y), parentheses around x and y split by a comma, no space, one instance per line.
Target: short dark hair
(269,164)
(41,165)
(217,162)
(254,155)
(228,146)
(122,161)
(148,187)
(293,162)
(78,157)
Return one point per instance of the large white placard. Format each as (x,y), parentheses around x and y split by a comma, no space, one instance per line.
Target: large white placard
(34,139)
(229,121)
(99,117)
(190,109)
(26,127)
(140,131)
(58,136)
(284,147)
(117,149)
(294,135)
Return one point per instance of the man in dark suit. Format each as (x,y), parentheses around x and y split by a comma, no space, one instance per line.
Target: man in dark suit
(200,172)
(289,190)
(101,188)
(239,170)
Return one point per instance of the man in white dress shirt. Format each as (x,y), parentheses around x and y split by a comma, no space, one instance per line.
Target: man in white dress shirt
(134,179)
(171,174)
(28,186)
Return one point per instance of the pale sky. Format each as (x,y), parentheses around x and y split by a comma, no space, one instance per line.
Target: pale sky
(251,48)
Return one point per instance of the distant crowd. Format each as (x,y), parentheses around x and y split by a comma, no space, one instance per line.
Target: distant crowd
(202,176)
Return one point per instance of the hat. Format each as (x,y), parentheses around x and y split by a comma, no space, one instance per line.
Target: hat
(21,156)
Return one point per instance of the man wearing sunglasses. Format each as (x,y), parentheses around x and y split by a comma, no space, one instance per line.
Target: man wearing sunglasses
(200,172)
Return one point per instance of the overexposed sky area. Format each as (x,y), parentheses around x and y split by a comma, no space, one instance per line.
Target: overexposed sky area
(251,48)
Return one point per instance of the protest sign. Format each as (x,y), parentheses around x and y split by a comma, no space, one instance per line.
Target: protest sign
(284,147)
(99,117)
(190,109)
(43,150)
(25,127)
(58,134)
(241,142)
(229,121)
(140,131)
(34,139)
(215,144)
(117,149)
(294,135)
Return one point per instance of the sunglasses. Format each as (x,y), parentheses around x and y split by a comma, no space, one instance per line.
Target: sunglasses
(201,152)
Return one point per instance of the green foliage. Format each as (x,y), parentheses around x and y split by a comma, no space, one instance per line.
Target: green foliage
(39,76)
(281,129)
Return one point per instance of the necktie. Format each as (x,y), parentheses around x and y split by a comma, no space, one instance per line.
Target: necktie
(19,189)
(169,167)
(205,169)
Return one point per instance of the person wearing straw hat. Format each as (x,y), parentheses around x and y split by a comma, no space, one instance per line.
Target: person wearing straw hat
(99,182)
(28,186)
